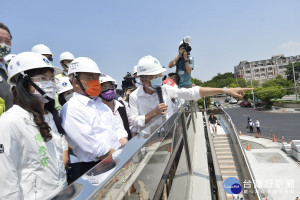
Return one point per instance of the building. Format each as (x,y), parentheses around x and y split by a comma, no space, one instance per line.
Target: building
(263,70)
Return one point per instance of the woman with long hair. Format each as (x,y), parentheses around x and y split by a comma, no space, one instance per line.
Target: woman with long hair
(30,132)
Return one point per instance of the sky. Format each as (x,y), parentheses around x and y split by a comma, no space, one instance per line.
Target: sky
(116,34)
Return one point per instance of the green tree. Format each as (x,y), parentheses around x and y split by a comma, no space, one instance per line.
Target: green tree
(267,93)
(221,80)
(241,82)
(255,83)
(289,71)
(201,102)
(196,81)
(281,82)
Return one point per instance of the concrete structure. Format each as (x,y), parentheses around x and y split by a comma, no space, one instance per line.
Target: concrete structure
(263,70)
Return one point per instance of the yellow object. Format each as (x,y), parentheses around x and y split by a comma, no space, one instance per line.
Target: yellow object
(2,106)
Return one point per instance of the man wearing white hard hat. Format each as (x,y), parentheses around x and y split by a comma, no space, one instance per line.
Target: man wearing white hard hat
(120,109)
(30,132)
(65,59)
(44,50)
(64,89)
(184,63)
(92,129)
(144,102)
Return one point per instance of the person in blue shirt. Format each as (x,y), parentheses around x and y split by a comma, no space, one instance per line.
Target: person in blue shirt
(184,63)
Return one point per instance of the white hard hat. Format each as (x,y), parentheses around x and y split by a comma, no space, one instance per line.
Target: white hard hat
(66,56)
(106,78)
(83,64)
(135,69)
(26,61)
(63,84)
(42,49)
(149,65)
(8,57)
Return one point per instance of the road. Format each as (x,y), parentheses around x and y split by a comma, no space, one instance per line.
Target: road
(278,124)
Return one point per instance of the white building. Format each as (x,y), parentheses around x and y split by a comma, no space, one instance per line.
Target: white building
(263,70)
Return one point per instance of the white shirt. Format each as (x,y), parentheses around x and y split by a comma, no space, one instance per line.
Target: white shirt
(257,124)
(29,167)
(142,103)
(92,129)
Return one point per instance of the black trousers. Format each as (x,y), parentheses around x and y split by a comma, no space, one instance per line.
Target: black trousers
(86,166)
(251,129)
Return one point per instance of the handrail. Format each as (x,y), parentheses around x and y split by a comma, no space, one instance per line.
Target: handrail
(120,166)
(246,161)
(221,191)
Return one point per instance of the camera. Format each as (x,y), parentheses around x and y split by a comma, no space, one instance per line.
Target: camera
(128,82)
(186,43)
(187,47)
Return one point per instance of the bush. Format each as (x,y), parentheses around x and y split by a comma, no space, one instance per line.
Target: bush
(201,102)
(287,101)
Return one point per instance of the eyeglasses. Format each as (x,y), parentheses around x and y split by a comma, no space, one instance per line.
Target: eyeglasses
(104,88)
(49,57)
(43,78)
(153,77)
(90,78)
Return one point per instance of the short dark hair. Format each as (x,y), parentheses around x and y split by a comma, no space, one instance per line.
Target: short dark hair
(177,77)
(3,26)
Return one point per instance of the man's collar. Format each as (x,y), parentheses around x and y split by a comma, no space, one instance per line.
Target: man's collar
(117,104)
(84,99)
(141,92)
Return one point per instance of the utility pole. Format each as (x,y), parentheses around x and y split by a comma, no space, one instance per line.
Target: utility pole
(295,84)
(252,87)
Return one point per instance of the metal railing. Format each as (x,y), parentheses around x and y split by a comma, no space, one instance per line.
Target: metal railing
(221,192)
(113,177)
(242,158)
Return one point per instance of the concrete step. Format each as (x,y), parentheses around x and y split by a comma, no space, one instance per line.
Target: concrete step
(223,149)
(225,166)
(224,153)
(222,142)
(227,162)
(229,156)
(222,145)
(221,138)
(230,172)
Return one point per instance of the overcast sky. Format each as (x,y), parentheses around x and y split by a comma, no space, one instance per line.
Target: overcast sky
(115,34)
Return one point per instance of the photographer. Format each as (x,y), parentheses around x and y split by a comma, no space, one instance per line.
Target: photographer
(184,63)
(128,86)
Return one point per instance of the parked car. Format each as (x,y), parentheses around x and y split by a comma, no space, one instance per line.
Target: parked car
(227,99)
(232,100)
(245,104)
(217,103)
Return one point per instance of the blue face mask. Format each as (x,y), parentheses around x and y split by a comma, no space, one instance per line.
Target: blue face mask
(157,82)
(138,81)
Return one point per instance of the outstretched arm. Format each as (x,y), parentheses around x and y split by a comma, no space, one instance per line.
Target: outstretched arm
(235,92)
